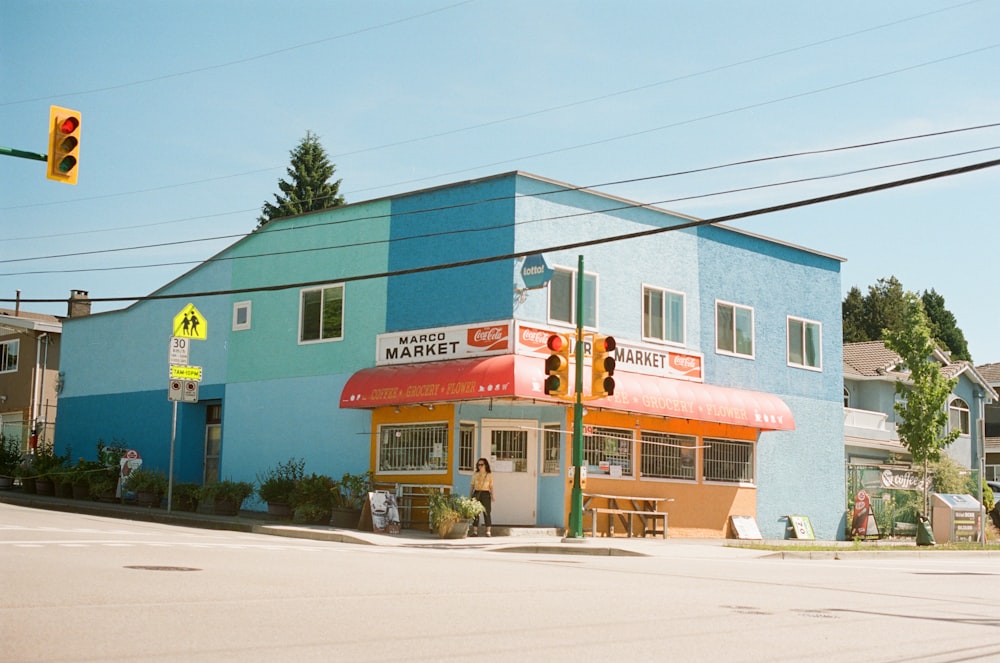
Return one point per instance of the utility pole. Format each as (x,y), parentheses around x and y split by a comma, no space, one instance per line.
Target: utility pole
(576,496)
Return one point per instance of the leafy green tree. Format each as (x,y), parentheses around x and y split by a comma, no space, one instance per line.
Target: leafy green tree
(924,395)
(944,326)
(309,188)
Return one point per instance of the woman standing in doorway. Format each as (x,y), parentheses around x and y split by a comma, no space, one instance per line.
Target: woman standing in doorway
(482,490)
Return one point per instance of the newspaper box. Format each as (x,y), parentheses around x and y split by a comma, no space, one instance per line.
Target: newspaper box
(955,517)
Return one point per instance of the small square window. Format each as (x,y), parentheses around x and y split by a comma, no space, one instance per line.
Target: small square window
(241,316)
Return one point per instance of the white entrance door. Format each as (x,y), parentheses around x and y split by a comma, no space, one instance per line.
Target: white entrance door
(512,447)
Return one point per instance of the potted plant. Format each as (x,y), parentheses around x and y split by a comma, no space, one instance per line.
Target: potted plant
(276,486)
(80,475)
(186,496)
(149,486)
(352,491)
(450,514)
(45,465)
(226,496)
(313,498)
(10,459)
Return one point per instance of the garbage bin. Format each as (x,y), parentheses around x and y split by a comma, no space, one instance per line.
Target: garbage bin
(925,537)
(955,517)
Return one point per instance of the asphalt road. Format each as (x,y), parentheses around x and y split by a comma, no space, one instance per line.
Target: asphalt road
(88,588)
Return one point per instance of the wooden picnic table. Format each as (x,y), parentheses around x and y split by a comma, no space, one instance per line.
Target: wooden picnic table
(625,508)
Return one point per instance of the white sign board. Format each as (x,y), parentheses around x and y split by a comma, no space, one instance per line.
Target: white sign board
(180,351)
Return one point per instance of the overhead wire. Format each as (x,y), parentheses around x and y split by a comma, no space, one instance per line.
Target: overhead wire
(551,248)
(690,171)
(548,109)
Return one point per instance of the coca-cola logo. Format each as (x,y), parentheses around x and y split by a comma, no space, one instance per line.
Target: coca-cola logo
(492,338)
(535,337)
(683,361)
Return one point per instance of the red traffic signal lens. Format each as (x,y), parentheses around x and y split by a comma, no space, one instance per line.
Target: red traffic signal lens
(555,343)
(69,125)
(609,343)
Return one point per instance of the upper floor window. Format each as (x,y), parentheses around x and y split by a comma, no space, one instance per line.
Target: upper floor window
(8,355)
(847,398)
(733,329)
(241,315)
(662,315)
(804,343)
(562,298)
(321,314)
(958,416)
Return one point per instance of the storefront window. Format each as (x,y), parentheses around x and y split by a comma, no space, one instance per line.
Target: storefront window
(466,447)
(728,460)
(664,456)
(413,448)
(553,443)
(608,451)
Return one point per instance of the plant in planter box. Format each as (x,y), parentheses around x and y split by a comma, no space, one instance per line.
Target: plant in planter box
(186,496)
(80,476)
(46,466)
(448,511)
(149,485)
(226,496)
(313,498)
(352,492)
(10,459)
(277,485)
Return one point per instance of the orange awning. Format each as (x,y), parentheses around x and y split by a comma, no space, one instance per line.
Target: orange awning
(519,376)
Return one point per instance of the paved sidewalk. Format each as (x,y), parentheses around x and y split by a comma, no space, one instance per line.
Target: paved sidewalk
(524,540)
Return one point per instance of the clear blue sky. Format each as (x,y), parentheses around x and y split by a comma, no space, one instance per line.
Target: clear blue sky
(191,107)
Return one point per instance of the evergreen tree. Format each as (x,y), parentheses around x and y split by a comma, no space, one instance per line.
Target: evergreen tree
(944,326)
(853,313)
(309,188)
(884,307)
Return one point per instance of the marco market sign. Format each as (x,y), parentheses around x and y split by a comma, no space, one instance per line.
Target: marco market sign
(506,337)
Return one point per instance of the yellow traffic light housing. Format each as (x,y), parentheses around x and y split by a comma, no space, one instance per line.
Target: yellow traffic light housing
(64,145)
(602,366)
(557,365)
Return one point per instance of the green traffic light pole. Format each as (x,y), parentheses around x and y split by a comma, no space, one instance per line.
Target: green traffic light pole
(576,496)
(11,152)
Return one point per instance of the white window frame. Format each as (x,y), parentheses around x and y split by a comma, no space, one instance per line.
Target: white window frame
(572,298)
(805,322)
(5,355)
(246,306)
(665,294)
(753,341)
(959,408)
(343,313)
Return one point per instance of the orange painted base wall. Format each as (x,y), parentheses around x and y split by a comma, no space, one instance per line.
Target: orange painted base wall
(698,510)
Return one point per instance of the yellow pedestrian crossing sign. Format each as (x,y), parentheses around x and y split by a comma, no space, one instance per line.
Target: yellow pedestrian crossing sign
(190,323)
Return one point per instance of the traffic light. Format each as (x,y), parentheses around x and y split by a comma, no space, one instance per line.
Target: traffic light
(557,365)
(64,144)
(602,366)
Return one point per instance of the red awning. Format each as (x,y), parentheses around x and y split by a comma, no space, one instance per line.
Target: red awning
(667,397)
(455,380)
(519,376)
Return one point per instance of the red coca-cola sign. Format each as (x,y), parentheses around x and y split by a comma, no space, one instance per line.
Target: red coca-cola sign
(493,337)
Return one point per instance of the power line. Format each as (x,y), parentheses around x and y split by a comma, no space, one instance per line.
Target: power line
(691,171)
(561,247)
(455,232)
(552,109)
(233,63)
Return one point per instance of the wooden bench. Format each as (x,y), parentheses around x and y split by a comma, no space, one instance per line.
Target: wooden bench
(650,521)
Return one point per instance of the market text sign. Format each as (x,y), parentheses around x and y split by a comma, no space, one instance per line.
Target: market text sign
(442,343)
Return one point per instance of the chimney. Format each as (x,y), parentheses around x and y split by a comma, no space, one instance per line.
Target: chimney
(79,305)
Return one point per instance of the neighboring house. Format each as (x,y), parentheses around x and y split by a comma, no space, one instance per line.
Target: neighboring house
(330,340)
(29,371)
(991,373)
(871,371)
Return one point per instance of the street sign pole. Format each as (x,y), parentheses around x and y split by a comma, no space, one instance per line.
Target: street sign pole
(576,496)
(170,472)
